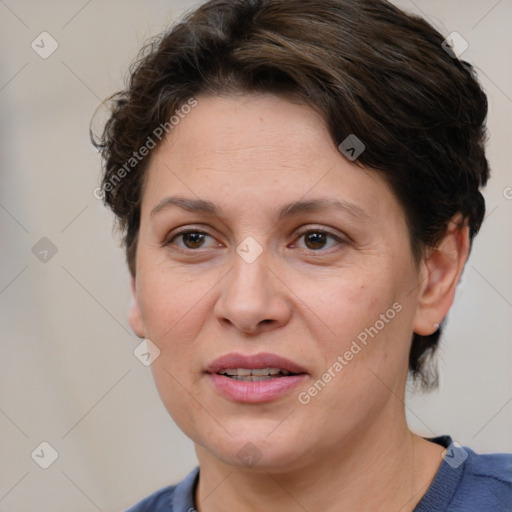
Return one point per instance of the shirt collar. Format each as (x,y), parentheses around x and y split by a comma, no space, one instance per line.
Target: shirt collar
(183,496)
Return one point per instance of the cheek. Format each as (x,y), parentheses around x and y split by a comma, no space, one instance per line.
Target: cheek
(357,316)
(172,300)
(174,307)
(183,405)
(346,302)
(362,367)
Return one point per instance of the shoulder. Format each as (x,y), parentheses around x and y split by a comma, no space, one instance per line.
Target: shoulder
(486,482)
(469,481)
(495,467)
(159,501)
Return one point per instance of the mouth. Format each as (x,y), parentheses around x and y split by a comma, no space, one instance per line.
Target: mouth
(266,365)
(255,378)
(255,374)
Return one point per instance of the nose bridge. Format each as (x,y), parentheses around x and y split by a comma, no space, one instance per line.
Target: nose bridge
(251,296)
(250,277)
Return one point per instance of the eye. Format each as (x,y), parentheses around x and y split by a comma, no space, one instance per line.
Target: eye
(316,239)
(191,239)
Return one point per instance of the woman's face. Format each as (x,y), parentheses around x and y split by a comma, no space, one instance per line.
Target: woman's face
(277,270)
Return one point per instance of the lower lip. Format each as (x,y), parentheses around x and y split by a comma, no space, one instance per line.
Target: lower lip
(255,392)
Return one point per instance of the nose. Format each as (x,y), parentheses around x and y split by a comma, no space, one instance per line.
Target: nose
(253,298)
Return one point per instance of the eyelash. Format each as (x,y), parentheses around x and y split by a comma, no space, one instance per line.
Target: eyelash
(299,235)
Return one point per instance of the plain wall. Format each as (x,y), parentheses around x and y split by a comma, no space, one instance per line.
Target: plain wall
(68,375)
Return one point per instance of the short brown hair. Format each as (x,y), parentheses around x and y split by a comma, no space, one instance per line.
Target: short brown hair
(369,68)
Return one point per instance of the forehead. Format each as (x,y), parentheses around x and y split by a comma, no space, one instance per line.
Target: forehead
(251,130)
(258,149)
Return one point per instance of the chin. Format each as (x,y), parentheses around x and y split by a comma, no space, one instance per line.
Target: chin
(256,452)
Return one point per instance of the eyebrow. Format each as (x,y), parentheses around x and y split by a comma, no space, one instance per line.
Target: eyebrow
(289,210)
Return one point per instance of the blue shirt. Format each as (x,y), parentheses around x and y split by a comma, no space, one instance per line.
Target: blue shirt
(465,482)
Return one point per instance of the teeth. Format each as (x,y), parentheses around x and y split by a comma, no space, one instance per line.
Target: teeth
(253,378)
(254,372)
(262,371)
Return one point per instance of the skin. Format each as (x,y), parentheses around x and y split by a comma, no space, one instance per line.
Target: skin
(303,298)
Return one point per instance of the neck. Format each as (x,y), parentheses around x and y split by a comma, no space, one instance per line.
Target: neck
(383,468)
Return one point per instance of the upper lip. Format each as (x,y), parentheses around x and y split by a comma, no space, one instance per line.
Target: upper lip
(255,361)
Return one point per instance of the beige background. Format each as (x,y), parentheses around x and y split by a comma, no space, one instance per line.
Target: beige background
(68,375)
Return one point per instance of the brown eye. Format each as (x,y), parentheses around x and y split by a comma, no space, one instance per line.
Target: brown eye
(191,239)
(316,240)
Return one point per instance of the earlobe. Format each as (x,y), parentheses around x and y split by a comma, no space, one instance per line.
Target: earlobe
(135,314)
(444,265)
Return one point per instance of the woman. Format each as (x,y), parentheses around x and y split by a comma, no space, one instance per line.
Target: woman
(298,186)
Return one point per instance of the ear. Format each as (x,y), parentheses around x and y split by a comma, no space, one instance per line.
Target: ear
(135,315)
(442,269)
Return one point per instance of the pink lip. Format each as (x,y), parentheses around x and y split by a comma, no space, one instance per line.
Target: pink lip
(254,392)
(261,360)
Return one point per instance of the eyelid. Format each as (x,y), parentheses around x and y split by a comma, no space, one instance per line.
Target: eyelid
(321,229)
